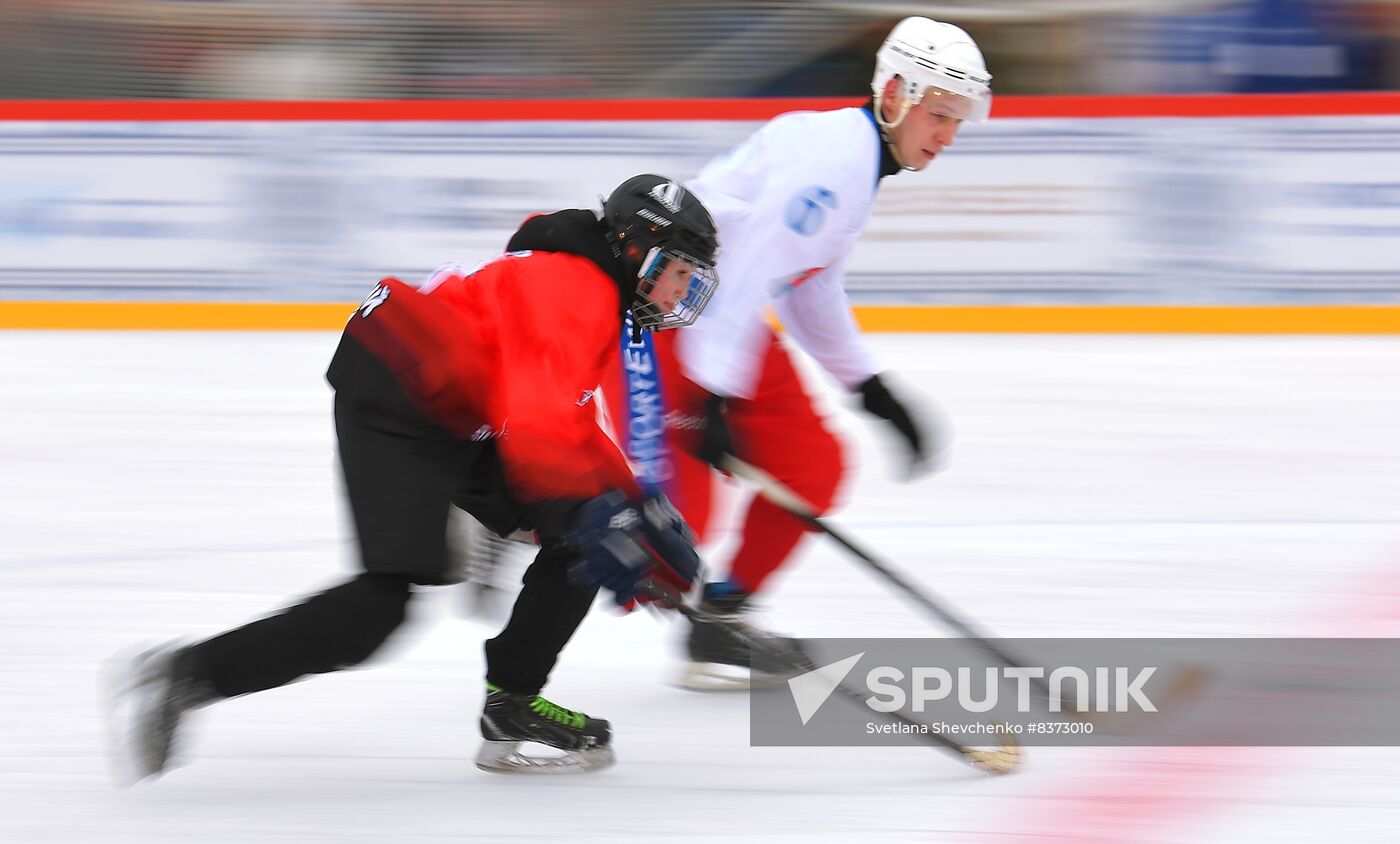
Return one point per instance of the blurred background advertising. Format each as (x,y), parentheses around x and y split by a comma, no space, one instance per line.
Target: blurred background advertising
(368,49)
(1132,201)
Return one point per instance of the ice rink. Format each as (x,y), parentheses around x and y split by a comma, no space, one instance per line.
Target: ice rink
(158,485)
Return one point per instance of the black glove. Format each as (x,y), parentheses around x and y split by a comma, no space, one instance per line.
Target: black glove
(716,440)
(638,550)
(878,400)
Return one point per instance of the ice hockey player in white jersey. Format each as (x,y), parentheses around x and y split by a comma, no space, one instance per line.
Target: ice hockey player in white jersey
(790,203)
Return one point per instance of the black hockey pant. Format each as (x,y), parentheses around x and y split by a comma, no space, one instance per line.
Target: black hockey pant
(401,475)
(343,626)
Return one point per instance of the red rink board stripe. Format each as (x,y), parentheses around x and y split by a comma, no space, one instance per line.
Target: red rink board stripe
(1144,106)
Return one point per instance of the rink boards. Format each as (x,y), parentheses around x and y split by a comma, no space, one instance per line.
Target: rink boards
(1146,214)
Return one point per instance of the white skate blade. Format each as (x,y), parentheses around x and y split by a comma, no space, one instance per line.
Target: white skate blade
(719,677)
(714,677)
(506,757)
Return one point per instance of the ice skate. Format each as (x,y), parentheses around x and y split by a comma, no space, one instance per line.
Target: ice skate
(572,742)
(149,696)
(718,659)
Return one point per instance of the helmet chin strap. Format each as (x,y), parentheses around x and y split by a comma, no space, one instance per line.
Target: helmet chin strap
(888,126)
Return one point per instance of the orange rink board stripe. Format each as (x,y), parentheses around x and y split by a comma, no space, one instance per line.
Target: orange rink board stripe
(1010,319)
(175,316)
(1097,106)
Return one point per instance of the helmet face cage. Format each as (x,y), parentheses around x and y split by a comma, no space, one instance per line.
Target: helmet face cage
(700,286)
(656,222)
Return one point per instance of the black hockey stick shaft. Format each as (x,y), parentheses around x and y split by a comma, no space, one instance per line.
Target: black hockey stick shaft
(777,493)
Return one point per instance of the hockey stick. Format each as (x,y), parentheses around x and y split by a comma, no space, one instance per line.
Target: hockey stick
(1003,759)
(774,490)
(1185,685)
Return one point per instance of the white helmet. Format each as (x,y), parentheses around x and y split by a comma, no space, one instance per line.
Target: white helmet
(925,54)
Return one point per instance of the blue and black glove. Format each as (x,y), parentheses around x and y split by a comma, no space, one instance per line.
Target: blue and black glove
(641,551)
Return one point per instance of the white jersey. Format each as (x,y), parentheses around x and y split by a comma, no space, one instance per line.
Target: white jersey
(789,203)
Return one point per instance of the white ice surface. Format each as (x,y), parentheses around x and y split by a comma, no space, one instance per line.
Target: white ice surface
(175,484)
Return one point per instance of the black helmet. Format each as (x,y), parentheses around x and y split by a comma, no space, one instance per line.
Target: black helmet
(656,223)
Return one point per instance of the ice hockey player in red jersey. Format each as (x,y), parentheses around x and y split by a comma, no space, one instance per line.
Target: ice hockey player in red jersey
(790,203)
(476,391)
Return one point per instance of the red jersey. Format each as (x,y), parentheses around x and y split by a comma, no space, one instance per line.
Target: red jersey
(512,350)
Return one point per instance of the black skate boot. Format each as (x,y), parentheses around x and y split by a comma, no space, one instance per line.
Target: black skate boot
(509,720)
(150,695)
(719,660)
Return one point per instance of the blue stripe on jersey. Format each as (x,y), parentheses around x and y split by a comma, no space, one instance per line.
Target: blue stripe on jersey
(645,435)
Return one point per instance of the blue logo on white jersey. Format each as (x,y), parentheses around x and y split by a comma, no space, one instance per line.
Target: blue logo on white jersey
(806,211)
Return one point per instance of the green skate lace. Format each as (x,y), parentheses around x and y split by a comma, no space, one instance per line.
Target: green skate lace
(552,711)
(559,714)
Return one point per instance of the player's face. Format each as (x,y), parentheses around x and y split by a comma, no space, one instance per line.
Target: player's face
(928,128)
(671,285)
